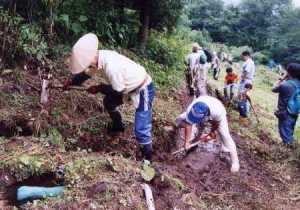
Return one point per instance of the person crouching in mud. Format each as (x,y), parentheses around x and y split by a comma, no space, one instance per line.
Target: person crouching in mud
(124,77)
(199,110)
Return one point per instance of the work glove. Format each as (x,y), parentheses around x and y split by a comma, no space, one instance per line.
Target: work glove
(94,89)
(67,84)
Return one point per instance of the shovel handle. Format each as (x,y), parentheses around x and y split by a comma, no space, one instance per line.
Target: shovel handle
(184,149)
(201,139)
(71,87)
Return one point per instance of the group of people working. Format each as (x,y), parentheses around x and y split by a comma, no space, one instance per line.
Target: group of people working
(128,80)
(237,88)
(197,64)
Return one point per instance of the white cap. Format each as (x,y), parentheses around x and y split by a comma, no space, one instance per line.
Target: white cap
(83,53)
(196,46)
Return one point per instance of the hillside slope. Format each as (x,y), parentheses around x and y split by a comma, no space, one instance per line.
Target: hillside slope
(103,172)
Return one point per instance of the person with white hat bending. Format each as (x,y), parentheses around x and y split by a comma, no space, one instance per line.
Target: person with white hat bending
(204,109)
(125,77)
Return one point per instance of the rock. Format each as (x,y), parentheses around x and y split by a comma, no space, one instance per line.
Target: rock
(6,72)
(97,189)
(6,179)
(168,129)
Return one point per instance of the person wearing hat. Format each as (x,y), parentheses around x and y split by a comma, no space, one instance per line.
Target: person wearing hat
(201,110)
(216,66)
(124,77)
(192,61)
(286,87)
(245,86)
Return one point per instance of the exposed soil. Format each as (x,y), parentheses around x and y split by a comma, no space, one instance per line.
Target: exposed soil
(8,191)
(207,175)
(181,183)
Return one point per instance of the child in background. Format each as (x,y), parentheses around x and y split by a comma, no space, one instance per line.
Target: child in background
(243,105)
(230,84)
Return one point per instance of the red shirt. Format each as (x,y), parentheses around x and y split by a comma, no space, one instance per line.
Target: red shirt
(231,78)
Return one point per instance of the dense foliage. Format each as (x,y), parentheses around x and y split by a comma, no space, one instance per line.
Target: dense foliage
(268,26)
(159,29)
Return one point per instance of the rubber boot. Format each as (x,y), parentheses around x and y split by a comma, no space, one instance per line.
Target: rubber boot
(146,151)
(117,124)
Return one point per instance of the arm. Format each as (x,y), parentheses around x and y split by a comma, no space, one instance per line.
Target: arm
(276,87)
(104,89)
(80,78)
(187,135)
(215,126)
(77,80)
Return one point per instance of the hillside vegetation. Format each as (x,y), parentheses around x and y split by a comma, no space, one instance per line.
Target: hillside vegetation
(104,172)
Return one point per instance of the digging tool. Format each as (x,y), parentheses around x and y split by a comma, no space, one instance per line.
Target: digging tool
(149,196)
(201,139)
(70,87)
(252,107)
(45,91)
(46,85)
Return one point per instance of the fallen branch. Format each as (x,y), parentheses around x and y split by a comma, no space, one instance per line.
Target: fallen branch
(149,197)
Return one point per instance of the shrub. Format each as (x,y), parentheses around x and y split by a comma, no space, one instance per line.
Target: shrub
(163,76)
(261,57)
(167,50)
(237,51)
(9,30)
(31,42)
(202,37)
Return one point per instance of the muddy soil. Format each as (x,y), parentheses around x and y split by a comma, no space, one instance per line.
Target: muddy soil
(204,175)
(207,175)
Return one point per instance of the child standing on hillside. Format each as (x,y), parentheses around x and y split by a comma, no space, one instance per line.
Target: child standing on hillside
(246,84)
(286,87)
(230,84)
(243,104)
(216,63)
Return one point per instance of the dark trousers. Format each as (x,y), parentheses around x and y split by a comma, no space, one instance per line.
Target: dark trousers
(189,81)
(111,101)
(216,73)
(286,125)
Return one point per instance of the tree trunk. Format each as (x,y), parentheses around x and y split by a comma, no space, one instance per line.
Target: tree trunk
(145,21)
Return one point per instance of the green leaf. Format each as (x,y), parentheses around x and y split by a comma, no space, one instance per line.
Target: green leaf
(148,173)
(25,159)
(83,18)
(65,19)
(76,28)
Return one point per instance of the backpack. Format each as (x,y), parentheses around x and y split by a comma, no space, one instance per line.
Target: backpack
(293,106)
(209,55)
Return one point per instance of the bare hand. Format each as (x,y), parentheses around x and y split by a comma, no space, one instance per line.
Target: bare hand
(187,145)
(67,84)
